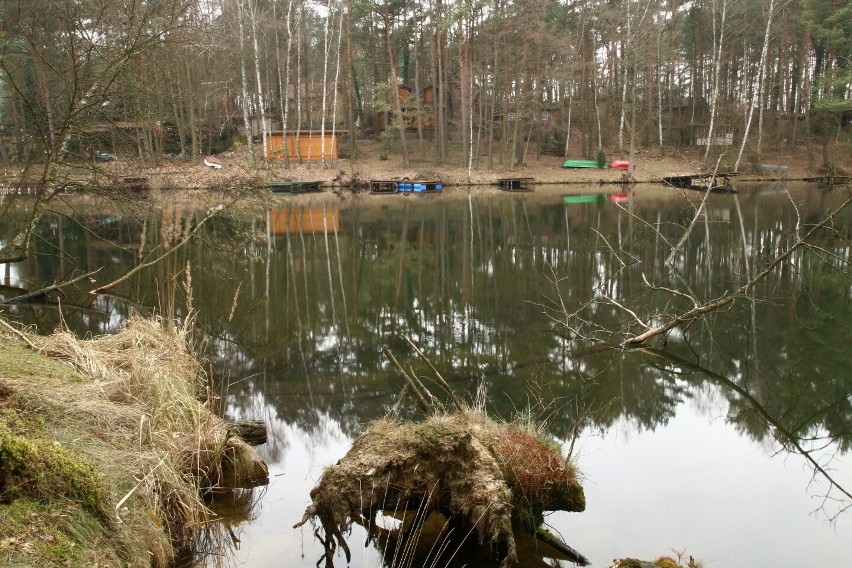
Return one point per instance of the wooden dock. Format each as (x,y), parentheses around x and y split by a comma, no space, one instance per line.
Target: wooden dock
(516,184)
(716,183)
(382,186)
(405,186)
(829,180)
(295,186)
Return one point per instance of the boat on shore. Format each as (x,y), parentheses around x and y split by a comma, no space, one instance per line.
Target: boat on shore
(516,184)
(407,186)
(582,164)
(773,169)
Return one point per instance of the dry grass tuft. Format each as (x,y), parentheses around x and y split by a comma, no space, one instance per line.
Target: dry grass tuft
(132,409)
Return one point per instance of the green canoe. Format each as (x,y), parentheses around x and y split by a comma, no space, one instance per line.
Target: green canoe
(581,164)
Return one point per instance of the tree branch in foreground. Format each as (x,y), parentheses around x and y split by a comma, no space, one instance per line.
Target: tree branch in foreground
(212,213)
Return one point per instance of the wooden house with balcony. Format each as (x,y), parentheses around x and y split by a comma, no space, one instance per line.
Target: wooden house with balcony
(409,110)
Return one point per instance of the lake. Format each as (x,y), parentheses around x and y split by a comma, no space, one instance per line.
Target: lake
(691,447)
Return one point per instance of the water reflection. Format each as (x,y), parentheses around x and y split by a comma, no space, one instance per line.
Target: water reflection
(295,303)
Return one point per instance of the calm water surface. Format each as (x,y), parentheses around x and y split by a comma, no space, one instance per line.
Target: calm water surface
(678,449)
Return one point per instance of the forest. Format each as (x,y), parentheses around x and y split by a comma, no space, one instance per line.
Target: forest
(464,81)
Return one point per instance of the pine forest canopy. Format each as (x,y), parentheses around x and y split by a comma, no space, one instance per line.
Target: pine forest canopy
(149,77)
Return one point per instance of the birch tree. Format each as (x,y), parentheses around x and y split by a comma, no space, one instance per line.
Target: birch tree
(261,103)
(755,99)
(246,100)
(717,66)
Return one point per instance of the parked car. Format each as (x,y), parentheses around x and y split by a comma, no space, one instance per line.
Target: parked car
(104,157)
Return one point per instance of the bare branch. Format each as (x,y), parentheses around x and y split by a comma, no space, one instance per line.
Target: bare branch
(214,212)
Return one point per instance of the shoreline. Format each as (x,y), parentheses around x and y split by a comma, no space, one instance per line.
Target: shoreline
(237,171)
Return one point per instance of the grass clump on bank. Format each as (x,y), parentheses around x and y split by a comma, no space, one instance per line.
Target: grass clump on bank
(105,448)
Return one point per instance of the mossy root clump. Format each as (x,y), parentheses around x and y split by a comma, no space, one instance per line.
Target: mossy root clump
(492,476)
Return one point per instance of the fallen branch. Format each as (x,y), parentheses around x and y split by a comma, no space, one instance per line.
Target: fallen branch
(19,334)
(699,311)
(438,375)
(412,383)
(41,292)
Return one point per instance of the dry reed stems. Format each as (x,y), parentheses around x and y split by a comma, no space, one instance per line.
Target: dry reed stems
(138,400)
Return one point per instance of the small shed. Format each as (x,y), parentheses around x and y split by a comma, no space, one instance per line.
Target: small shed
(304,145)
(410,109)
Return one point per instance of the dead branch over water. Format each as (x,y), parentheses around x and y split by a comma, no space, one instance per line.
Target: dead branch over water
(589,337)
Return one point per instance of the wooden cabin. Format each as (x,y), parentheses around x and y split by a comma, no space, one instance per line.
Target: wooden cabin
(306,145)
(409,109)
(273,123)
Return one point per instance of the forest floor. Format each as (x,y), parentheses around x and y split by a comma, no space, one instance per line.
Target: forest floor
(237,170)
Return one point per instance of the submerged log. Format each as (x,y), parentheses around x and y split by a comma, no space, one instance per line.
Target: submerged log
(252,432)
(494,477)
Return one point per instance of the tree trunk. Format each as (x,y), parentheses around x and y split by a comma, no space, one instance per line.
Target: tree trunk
(758,88)
(326,44)
(397,103)
(264,129)
(418,108)
(283,84)
(717,64)
(244,83)
(351,90)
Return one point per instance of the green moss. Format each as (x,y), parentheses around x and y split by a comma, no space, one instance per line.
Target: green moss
(39,466)
(49,533)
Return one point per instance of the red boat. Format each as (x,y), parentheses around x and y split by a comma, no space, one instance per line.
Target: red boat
(621,164)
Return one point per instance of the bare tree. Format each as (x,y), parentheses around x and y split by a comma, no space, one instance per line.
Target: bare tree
(717,66)
(246,100)
(756,94)
(77,53)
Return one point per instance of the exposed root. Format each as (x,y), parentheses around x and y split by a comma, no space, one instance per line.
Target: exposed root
(493,477)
